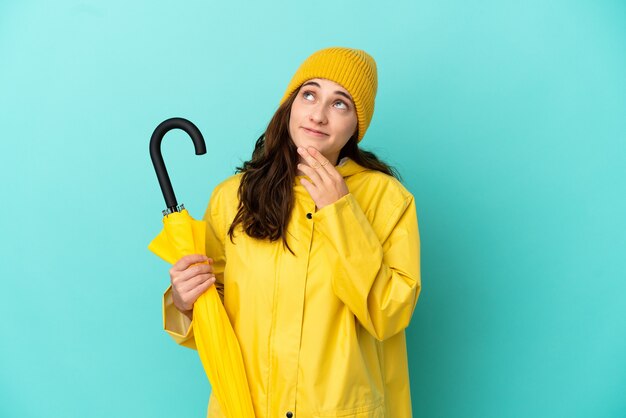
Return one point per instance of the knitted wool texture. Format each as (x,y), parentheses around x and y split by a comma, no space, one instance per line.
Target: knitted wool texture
(353,69)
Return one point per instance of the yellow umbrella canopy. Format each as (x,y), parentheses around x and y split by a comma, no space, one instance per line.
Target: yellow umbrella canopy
(215,339)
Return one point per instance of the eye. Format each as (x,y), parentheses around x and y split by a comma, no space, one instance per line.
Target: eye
(307,95)
(340,104)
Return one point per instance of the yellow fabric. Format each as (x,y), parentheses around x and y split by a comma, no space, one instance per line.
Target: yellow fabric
(182,235)
(321,332)
(354,69)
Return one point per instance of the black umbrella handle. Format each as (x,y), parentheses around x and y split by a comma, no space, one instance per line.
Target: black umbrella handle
(157,158)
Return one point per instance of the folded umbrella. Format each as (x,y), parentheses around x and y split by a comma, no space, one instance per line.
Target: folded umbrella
(182,235)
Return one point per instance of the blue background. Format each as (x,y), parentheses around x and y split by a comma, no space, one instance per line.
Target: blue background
(506,119)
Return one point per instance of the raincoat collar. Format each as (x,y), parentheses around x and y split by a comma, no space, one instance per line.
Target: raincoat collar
(348,167)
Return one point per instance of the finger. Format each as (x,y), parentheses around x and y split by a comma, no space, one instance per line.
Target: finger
(308,158)
(194,282)
(328,167)
(195,293)
(322,166)
(317,172)
(310,188)
(179,278)
(188,260)
(195,270)
(311,172)
(189,296)
(319,157)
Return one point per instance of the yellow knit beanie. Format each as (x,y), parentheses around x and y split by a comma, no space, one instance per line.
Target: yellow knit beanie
(353,69)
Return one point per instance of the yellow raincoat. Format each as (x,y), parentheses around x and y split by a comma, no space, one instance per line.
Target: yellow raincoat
(321,332)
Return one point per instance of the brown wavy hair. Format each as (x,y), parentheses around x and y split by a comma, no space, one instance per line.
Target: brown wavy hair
(266,189)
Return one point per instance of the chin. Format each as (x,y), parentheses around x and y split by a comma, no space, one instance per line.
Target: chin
(308,142)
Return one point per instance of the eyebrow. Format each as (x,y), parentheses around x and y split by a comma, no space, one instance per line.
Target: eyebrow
(336,92)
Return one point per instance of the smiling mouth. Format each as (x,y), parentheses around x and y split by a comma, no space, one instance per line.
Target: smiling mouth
(314,132)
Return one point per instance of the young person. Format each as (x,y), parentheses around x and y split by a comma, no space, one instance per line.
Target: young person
(314,248)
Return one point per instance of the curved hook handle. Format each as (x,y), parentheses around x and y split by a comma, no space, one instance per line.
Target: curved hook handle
(157,158)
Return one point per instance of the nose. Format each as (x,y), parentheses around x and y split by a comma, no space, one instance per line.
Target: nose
(318,114)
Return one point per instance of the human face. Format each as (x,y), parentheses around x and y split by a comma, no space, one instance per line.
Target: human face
(322,116)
